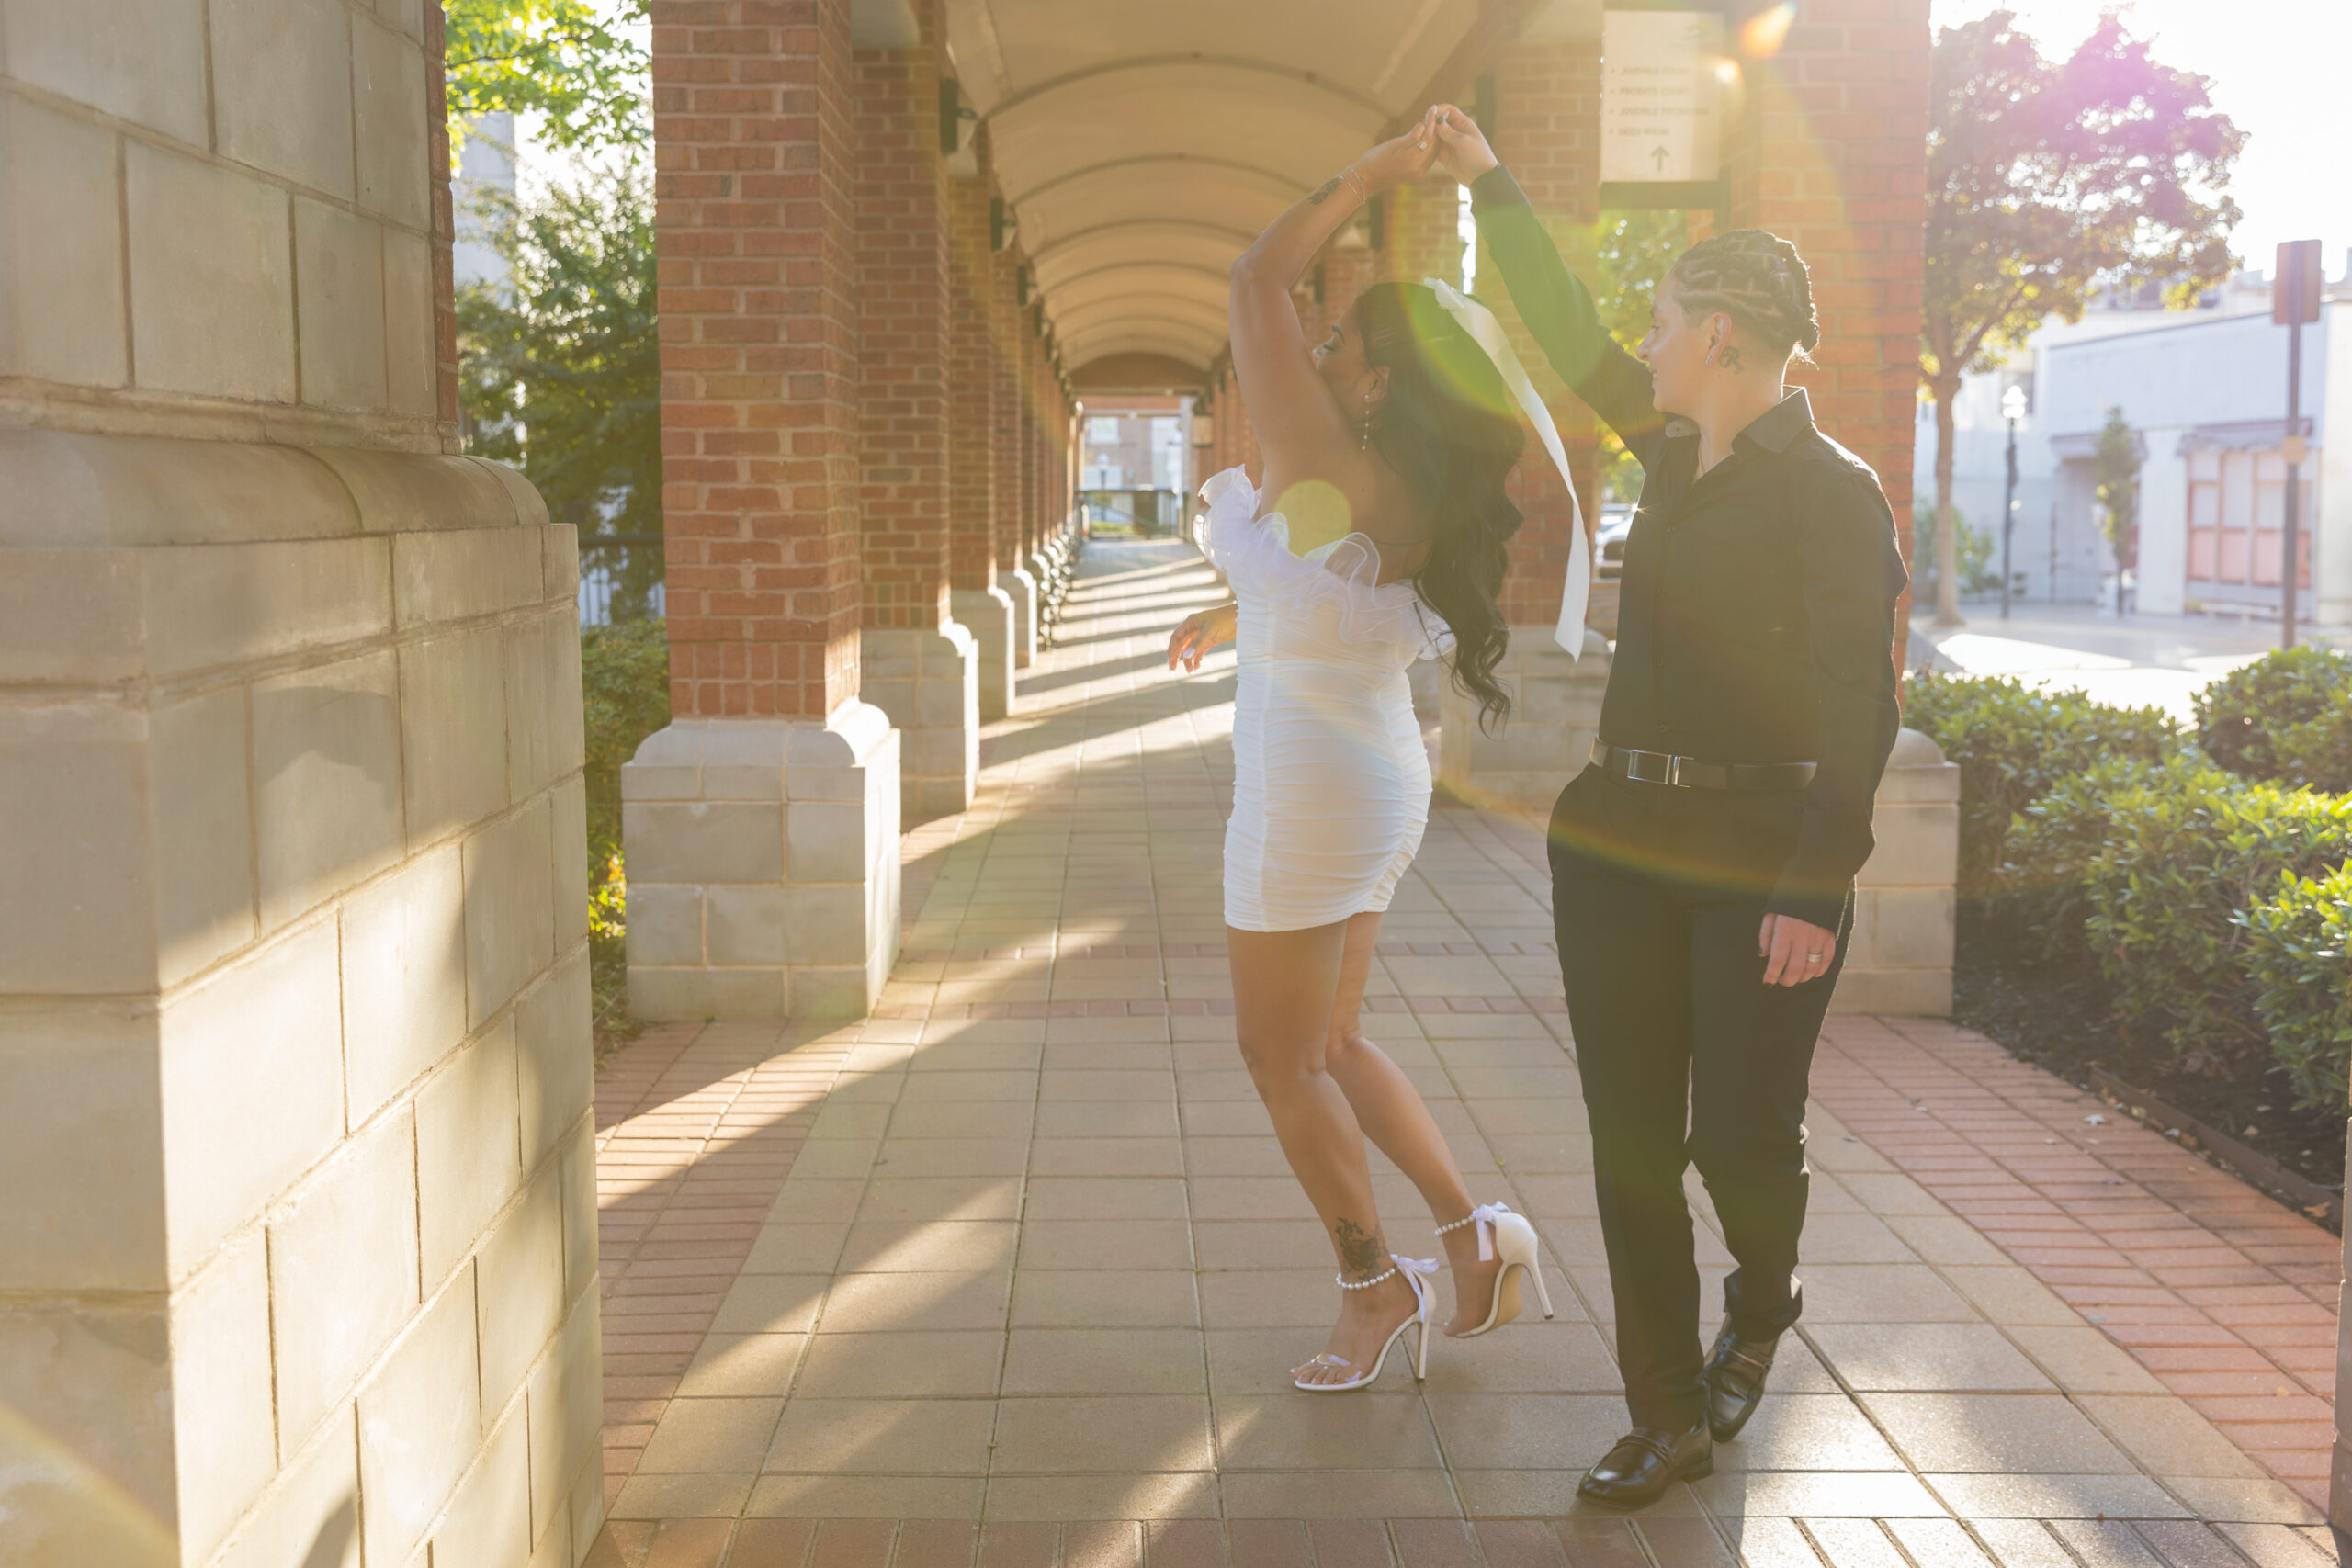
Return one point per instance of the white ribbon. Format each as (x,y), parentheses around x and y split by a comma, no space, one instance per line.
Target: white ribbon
(1488,333)
(1486,1214)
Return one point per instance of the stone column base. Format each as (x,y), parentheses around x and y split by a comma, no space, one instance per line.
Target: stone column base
(1022,590)
(1555,713)
(929,685)
(1899,958)
(989,615)
(763,861)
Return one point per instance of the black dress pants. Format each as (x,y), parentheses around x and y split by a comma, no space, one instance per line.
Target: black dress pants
(1687,1058)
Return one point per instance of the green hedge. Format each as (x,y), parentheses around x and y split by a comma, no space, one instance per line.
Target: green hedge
(2167,890)
(2014,744)
(2213,893)
(2298,954)
(2046,865)
(625,680)
(2286,716)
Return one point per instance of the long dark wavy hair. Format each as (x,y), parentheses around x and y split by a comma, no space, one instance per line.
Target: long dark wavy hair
(1450,429)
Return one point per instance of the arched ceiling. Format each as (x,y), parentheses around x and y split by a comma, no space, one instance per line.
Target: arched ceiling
(1142,144)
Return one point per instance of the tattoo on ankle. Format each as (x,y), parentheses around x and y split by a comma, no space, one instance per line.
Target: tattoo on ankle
(1358,1248)
(1323,192)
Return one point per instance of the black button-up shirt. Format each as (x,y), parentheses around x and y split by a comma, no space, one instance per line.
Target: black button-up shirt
(1756,621)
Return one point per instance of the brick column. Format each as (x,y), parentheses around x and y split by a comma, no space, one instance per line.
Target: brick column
(1547,130)
(920,666)
(1009,391)
(1019,349)
(762,826)
(977,602)
(1829,150)
(1422,237)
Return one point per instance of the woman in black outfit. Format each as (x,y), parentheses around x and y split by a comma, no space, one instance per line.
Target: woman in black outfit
(1702,865)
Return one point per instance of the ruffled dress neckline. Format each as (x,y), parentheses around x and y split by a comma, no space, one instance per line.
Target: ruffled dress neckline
(1343,576)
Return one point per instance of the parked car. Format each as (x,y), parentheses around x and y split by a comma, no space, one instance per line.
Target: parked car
(1609,540)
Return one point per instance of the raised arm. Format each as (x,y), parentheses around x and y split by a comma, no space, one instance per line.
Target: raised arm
(1304,433)
(1553,302)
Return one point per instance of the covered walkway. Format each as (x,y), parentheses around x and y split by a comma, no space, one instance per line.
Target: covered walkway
(1008,1273)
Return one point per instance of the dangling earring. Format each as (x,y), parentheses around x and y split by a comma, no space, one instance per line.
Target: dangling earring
(1363,428)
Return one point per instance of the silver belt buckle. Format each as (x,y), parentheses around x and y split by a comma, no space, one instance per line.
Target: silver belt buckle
(1674,772)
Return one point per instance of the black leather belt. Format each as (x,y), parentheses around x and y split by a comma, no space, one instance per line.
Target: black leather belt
(1689,773)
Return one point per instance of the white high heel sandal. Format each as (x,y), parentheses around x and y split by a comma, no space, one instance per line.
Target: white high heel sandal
(1504,1235)
(1412,1269)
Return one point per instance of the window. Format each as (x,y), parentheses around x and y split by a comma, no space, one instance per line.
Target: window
(2237,507)
(1104,429)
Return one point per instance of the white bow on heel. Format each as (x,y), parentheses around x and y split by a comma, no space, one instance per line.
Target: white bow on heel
(1509,1237)
(1413,1268)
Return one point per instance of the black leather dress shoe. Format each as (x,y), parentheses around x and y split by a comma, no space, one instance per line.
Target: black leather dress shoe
(1735,1376)
(1647,1461)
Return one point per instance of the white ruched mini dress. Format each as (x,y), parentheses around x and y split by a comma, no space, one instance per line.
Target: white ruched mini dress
(1330,783)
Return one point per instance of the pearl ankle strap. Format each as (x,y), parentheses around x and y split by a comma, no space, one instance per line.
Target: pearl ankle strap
(1396,1261)
(1483,1216)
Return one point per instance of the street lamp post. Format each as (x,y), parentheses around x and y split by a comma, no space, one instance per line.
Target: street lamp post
(2012,410)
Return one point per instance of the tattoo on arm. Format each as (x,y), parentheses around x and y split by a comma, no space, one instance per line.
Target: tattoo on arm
(1358,1248)
(1731,359)
(1322,193)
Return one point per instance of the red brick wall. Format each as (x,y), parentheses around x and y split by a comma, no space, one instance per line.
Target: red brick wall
(904,327)
(971,390)
(1024,356)
(1423,237)
(753,123)
(1547,131)
(1005,382)
(1829,150)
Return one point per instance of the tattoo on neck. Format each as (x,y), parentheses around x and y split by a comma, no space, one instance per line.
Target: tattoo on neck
(1322,193)
(1731,359)
(1358,1248)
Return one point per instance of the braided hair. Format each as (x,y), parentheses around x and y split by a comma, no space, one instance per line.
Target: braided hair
(1755,278)
(1447,426)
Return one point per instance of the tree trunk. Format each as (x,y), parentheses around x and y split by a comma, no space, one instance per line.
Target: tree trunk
(1945,388)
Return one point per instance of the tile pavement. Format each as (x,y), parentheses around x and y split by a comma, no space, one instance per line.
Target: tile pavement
(1007,1274)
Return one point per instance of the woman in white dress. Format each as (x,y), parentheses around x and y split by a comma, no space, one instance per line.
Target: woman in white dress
(1378,539)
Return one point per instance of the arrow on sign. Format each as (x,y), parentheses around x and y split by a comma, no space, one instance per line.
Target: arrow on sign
(1659,155)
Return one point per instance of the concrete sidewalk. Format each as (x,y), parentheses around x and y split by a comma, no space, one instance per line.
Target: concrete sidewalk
(2131,661)
(1010,1274)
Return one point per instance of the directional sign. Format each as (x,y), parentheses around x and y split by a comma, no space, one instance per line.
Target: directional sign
(1660,97)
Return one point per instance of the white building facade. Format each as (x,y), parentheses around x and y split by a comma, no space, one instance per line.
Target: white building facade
(2205,392)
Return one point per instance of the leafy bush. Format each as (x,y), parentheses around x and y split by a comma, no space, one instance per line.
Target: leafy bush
(2287,717)
(2014,744)
(2166,890)
(2298,951)
(2053,840)
(624,680)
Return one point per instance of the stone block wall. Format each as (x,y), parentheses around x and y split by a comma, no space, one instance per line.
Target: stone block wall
(298,1244)
(1556,713)
(297,1205)
(1899,958)
(221,217)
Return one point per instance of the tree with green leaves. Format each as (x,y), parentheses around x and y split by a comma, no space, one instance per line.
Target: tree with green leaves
(2115,464)
(2049,181)
(1632,251)
(578,68)
(560,366)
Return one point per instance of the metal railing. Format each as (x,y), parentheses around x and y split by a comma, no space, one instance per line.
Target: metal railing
(620,578)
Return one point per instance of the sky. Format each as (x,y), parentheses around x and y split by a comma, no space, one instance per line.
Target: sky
(2277,69)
